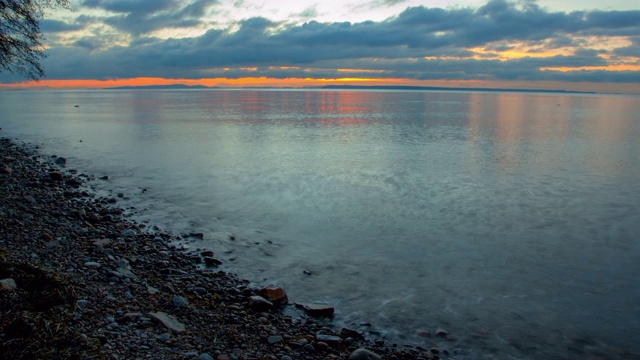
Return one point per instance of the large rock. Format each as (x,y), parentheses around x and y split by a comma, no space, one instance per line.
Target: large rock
(8,284)
(364,354)
(316,310)
(61,161)
(276,295)
(212,262)
(168,321)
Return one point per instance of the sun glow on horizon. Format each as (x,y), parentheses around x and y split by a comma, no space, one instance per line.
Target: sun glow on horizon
(301,83)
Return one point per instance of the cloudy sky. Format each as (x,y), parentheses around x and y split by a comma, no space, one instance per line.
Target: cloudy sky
(555,44)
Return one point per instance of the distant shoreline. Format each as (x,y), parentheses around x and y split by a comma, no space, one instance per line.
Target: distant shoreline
(342,87)
(351,87)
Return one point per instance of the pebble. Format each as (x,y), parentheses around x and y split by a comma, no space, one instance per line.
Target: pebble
(274,339)
(128,232)
(180,301)
(205,356)
(364,354)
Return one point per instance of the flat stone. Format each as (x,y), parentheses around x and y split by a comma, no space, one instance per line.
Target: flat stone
(316,310)
(167,321)
(92,264)
(364,354)
(274,339)
(329,339)
(276,295)
(164,337)
(102,242)
(130,316)
(122,273)
(8,284)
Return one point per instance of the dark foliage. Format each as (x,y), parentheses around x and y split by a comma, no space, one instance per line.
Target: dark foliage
(21,41)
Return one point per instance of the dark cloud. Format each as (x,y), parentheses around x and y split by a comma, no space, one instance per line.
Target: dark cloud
(419,43)
(55,26)
(139,17)
(139,7)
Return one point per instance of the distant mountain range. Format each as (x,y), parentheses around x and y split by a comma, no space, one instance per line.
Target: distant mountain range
(433,88)
(360,87)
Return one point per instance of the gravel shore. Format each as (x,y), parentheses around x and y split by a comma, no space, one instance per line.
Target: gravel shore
(79,280)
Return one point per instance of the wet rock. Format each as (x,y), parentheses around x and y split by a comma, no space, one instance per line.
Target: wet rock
(442,333)
(364,354)
(5,170)
(167,321)
(164,337)
(258,303)
(212,262)
(197,235)
(207,253)
(205,356)
(61,161)
(346,333)
(274,339)
(316,310)
(276,295)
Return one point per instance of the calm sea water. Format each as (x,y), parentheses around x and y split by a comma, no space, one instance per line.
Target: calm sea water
(510,220)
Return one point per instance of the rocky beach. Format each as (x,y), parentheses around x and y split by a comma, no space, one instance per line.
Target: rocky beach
(80,280)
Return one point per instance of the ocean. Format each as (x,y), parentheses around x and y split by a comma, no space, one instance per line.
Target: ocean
(511,220)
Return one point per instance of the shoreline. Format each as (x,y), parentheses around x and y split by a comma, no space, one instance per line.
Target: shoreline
(90,283)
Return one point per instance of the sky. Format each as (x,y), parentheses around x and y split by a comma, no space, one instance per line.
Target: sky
(562,44)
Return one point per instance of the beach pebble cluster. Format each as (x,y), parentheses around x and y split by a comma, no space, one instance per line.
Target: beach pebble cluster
(80,280)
